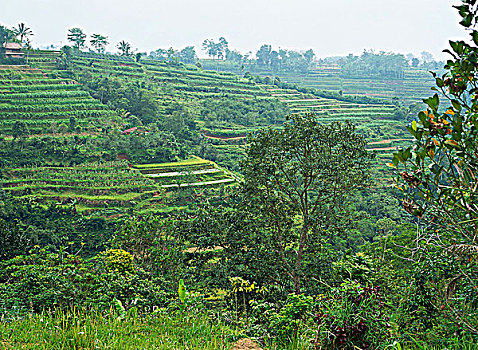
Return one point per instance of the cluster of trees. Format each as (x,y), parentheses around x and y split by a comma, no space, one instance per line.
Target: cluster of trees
(98,41)
(426,61)
(383,64)
(265,56)
(284,59)
(186,55)
(218,49)
(369,64)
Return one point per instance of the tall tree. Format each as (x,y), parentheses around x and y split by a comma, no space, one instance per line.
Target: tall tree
(426,56)
(264,55)
(99,42)
(296,182)
(211,48)
(77,37)
(188,55)
(23,32)
(125,48)
(309,56)
(172,54)
(223,47)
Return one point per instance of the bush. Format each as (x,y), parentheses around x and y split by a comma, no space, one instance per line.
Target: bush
(46,280)
(352,316)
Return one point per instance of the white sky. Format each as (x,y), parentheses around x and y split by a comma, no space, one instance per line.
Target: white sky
(329,27)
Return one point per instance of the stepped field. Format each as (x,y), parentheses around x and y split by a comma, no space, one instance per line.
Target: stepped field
(222,104)
(46,60)
(47,105)
(226,108)
(52,105)
(114,187)
(377,122)
(412,87)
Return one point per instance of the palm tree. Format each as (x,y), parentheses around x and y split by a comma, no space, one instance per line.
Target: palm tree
(124,47)
(99,42)
(5,35)
(23,31)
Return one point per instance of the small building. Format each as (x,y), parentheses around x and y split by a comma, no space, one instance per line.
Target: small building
(12,50)
(129,131)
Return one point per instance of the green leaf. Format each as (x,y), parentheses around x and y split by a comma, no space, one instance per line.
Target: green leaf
(432,102)
(455,46)
(466,22)
(406,154)
(182,291)
(456,105)
(439,82)
(395,159)
(462,9)
(414,125)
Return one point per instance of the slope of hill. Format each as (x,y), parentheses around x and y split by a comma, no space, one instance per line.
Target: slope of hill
(226,107)
(412,87)
(45,104)
(199,111)
(65,145)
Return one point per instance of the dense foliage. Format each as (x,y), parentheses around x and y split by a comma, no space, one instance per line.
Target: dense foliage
(306,250)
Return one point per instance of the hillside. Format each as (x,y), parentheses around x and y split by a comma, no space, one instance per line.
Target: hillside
(410,87)
(47,105)
(225,107)
(61,146)
(77,106)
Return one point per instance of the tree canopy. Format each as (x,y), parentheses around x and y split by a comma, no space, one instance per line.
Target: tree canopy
(77,37)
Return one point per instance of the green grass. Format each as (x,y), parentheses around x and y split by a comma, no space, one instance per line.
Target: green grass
(187,162)
(92,330)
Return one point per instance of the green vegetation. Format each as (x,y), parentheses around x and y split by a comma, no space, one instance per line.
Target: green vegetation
(385,76)
(146,202)
(89,330)
(46,104)
(113,188)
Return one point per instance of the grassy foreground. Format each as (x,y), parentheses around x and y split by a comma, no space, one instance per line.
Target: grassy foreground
(80,330)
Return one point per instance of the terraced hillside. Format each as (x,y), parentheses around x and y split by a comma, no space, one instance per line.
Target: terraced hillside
(45,104)
(113,188)
(89,187)
(216,104)
(61,111)
(223,107)
(225,101)
(46,60)
(412,87)
(188,173)
(379,123)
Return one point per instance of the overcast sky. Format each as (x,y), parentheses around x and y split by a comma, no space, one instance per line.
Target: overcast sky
(329,27)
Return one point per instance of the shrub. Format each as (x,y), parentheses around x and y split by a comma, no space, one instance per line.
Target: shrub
(352,316)
(117,260)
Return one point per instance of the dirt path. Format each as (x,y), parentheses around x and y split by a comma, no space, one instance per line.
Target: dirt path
(199,183)
(182,173)
(245,344)
(387,141)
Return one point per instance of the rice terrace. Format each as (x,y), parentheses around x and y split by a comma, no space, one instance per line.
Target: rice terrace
(192,175)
